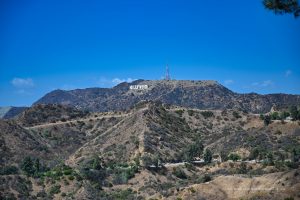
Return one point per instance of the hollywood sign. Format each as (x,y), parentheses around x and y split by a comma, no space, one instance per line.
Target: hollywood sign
(138,87)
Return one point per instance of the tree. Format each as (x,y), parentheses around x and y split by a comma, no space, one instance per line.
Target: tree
(279,156)
(267,120)
(294,112)
(96,163)
(234,157)
(178,172)
(207,156)
(254,153)
(275,116)
(27,166)
(295,154)
(193,150)
(284,115)
(149,160)
(224,156)
(236,114)
(270,158)
(37,165)
(283,6)
(156,161)
(261,116)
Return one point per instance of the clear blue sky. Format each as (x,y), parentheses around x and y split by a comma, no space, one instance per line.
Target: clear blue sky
(51,44)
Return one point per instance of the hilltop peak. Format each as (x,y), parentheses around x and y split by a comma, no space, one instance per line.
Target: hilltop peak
(201,94)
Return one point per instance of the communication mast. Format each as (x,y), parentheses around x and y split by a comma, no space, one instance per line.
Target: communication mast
(167,73)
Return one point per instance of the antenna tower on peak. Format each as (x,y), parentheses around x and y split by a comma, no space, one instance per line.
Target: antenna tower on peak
(167,73)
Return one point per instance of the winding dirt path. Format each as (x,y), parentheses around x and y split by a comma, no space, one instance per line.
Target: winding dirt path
(75,120)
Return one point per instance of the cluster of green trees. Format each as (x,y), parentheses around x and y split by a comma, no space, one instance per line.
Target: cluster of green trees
(292,112)
(149,160)
(121,174)
(193,150)
(295,112)
(97,171)
(196,150)
(93,169)
(231,156)
(234,157)
(32,166)
(276,158)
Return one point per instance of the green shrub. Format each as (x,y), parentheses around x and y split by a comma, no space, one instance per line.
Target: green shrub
(236,115)
(68,171)
(96,163)
(203,179)
(243,168)
(295,153)
(123,194)
(27,166)
(275,116)
(122,175)
(149,160)
(179,173)
(270,158)
(261,116)
(192,190)
(93,175)
(284,115)
(121,178)
(289,198)
(55,189)
(234,157)
(8,170)
(191,112)
(206,178)
(207,114)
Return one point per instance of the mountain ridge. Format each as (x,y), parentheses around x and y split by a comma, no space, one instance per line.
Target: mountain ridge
(10,111)
(207,94)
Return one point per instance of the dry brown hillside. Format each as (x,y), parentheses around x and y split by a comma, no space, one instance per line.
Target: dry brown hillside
(149,152)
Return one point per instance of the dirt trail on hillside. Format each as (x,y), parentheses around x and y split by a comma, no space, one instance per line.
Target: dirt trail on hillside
(75,120)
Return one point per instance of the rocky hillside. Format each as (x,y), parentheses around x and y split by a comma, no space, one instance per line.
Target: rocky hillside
(148,131)
(140,154)
(41,113)
(10,112)
(194,94)
(15,142)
